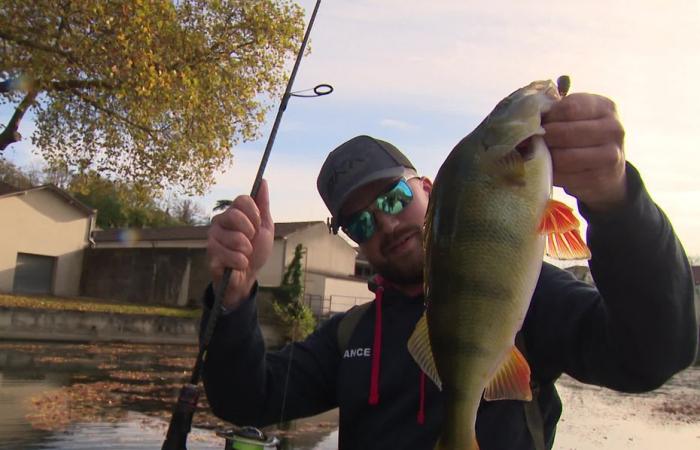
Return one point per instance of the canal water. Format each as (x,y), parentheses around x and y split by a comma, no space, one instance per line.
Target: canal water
(57,396)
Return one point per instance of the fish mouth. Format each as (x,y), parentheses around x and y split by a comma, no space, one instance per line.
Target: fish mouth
(526,149)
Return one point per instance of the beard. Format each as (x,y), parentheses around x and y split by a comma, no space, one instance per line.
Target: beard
(406,269)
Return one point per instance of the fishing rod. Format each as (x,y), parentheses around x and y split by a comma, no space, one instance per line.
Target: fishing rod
(183,411)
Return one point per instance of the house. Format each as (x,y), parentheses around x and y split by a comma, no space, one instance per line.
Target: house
(168,265)
(43,232)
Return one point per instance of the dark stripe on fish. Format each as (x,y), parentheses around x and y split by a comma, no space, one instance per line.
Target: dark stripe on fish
(484,230)
(492,290)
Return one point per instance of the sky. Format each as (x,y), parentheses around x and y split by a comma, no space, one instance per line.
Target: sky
(423,74)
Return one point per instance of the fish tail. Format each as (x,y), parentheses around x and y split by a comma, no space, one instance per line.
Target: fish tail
(447,444)
(458,431)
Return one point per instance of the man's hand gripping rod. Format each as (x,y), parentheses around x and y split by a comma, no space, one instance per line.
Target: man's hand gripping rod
(181,420)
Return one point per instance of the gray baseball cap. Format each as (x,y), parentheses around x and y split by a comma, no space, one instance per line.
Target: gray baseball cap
(355,163)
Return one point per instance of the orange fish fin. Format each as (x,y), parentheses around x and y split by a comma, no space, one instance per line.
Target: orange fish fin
(512,379)
(422,353)
(510,168)
(567,245)
(561,227)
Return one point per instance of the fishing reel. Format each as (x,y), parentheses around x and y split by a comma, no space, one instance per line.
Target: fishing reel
(248,438)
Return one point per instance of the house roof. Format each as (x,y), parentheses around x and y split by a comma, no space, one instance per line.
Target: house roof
(52,188)
(186,233)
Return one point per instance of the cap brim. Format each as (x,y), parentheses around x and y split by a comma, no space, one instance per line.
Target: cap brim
(392,172)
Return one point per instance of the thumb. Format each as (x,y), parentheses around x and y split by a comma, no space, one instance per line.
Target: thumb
(262,200)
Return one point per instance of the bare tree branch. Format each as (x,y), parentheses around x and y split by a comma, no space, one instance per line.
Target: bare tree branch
(68,85)
(96,105)
(11,134)
(57,86)
(34,45)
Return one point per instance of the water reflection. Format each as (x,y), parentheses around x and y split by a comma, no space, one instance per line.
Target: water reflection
(119,397)
(58,396)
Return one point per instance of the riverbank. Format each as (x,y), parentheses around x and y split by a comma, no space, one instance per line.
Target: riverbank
(92,320)
(80,319)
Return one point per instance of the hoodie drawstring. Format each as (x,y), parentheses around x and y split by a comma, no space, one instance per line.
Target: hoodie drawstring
(376,359)
(376,349)
(421,405)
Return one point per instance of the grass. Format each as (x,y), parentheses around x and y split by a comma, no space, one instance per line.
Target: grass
(91,305)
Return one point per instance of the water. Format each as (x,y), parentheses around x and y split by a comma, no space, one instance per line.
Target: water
(119,397)
(58,396)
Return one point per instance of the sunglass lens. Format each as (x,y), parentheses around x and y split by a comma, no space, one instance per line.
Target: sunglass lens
(394,201)
(361,227)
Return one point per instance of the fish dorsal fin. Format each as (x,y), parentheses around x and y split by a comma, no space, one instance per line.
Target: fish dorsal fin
(420,350)
(510,168)
(561,228)
(512,379)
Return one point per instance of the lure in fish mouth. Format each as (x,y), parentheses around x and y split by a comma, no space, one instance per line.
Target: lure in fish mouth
(489,216)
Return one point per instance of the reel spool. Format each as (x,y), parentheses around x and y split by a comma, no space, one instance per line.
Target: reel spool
(248,438)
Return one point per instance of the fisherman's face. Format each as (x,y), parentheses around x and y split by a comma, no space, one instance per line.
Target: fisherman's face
(395,250)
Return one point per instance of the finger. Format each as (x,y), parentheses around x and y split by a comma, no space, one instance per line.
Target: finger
(234,241)
(583,133)
(579,159)
(234,219)
(222,257)
(262,200)
(581,182)
(580,106)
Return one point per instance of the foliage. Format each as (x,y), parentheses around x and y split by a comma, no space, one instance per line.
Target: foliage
(14,176)
(290,290)
(188,212)
(222,205)
(120,204)
(150,91)
(297,317)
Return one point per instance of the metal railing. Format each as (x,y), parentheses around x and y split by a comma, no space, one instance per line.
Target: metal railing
(324,307)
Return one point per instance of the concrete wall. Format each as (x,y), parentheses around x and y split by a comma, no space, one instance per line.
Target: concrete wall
(167,276)
(271,273)
(41,222)
(344,294)
(52,325)
(327,295)
(325,252)
(80,326)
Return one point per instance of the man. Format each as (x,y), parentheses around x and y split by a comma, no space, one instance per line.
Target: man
(631,333)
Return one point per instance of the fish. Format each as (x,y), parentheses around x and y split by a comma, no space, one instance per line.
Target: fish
(490,217)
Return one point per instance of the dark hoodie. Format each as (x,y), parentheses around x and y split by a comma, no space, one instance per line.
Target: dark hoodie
(630,334)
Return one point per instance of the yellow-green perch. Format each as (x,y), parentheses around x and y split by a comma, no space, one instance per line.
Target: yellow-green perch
(489,213)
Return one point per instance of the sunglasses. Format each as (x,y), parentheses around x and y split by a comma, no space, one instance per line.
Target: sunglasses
(362,225)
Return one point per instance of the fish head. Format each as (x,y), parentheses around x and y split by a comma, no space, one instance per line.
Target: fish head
(511,147)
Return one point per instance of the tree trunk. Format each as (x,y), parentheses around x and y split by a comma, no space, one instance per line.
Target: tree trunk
(11,134)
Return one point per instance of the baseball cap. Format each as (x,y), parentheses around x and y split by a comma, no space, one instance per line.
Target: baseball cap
(355,163)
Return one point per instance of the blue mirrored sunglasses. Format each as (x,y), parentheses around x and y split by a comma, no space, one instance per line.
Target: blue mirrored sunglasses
(362,225)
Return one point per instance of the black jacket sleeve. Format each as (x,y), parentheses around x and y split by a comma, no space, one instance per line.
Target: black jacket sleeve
(245,384)
(638,327)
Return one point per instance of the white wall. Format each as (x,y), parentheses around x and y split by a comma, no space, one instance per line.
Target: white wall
(41,222)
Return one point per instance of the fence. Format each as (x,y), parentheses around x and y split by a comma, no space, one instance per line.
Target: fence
(324,307)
